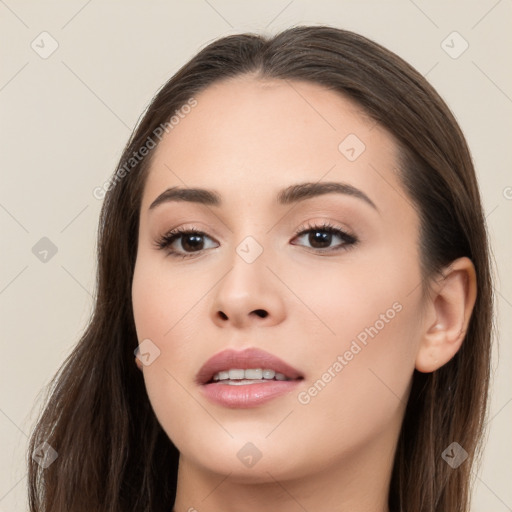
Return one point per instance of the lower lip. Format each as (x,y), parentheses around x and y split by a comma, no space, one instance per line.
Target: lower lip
(247,395)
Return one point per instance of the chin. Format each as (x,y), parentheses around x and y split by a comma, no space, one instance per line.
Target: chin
(256,461)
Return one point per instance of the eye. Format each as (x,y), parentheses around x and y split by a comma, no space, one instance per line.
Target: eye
(184,243)
(320,237)
(190,242)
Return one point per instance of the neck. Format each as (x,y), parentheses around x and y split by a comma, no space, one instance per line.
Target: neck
(358,483)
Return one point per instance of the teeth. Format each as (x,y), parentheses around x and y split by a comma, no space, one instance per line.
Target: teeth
(254,374)
(236,375)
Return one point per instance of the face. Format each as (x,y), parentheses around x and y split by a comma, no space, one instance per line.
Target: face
(301,259)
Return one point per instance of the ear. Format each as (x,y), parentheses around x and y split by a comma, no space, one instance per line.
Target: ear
(447,317)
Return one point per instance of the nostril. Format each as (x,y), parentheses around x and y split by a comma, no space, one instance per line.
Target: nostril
(260,312)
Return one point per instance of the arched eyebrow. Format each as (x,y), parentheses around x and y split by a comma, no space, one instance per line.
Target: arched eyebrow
(303,191)
(289,195)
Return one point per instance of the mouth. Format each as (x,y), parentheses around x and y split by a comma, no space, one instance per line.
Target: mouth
(240,379)
(249,365)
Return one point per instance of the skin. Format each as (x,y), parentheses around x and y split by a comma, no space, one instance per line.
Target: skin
(248,139)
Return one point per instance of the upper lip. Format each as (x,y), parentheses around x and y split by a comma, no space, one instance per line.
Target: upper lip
(244,359)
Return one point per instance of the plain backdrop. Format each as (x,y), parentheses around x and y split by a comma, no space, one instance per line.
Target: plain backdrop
(75,77)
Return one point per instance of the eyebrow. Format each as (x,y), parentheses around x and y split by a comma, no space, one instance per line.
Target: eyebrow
(289,195)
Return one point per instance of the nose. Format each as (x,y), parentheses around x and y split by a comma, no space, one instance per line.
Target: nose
(249,295)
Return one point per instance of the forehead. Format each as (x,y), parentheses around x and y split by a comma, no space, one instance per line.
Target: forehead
(246,135)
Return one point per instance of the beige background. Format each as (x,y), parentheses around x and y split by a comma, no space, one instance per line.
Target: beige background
(66,118)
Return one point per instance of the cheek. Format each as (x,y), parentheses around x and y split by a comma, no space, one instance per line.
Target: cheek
(370,297)
(358,384)
(165,302)
(163,309)
(167,310)
(369,337)
(170,309)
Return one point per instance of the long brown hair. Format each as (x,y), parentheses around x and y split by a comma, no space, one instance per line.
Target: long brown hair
(112,453)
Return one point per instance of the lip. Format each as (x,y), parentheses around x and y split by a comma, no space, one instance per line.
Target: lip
(248,395)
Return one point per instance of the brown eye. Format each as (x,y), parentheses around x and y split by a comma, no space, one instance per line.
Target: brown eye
(185,242)
(321,238)
(192,242)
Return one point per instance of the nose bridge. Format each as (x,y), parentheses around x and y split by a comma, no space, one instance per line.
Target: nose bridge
(249,292)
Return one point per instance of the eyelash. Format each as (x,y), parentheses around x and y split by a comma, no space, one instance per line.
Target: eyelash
(349,240)
(166,240)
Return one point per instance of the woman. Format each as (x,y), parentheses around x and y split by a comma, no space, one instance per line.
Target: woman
(294,248)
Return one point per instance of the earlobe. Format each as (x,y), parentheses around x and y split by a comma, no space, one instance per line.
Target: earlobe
(450,306)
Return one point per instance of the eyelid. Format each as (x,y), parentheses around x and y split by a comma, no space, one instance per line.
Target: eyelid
(323,225)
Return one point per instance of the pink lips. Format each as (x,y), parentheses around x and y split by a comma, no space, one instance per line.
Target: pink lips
(246,395)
